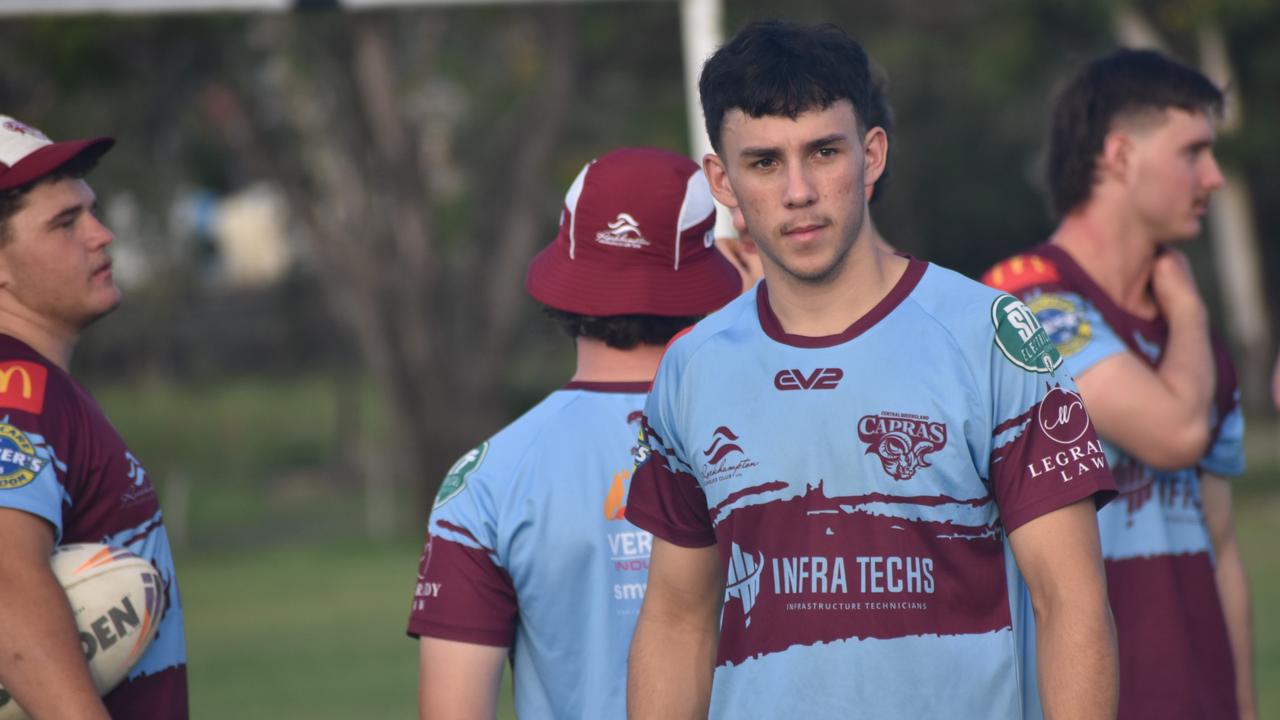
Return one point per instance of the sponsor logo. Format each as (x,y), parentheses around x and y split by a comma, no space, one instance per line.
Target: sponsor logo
(629,550)
(901,441)
(1020,271)
(725,458)
(1063,321)
(428,589)
(140,489)
(1076,461)
(1062,416)
(743,579)
(456,479)
(819,379)
(22,386)
(830,582)
(614,507)
(1021,338)
(629,591)
(622,232)
(19,464)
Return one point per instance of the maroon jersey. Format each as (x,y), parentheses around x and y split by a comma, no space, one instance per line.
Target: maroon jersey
(61,460)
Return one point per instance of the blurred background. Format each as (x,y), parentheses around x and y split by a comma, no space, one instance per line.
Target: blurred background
(323,218)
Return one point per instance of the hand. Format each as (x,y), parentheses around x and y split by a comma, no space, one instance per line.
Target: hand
(1174,287)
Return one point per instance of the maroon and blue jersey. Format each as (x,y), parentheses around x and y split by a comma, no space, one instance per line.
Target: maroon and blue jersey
(860,489)
(61,460)
(529,547)
(1175,656)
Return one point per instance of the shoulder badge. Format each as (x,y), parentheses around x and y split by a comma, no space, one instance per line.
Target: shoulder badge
(22,386)
(1064,320)
(19,463)
(1020,271)
(1021,338)
(456,479)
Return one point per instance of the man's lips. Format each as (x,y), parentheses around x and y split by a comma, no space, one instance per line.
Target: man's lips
(103,269)
(805,231)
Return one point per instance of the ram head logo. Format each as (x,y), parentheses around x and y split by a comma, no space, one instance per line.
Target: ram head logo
(902,441)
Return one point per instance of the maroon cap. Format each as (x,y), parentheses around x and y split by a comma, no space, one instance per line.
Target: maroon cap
(636,238)
(26,154)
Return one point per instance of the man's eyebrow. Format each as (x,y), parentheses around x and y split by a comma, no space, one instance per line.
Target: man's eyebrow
(832,139)
(66,214)
(759,152)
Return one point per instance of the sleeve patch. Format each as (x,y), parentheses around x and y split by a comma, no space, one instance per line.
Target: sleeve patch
(22,386)
(1021,338)
(456,479)
(1064,321)
(19,463)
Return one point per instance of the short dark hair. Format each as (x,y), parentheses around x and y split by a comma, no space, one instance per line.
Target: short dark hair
(781,68)
(880,114)
(13,199)
(1119,85)
(622,332)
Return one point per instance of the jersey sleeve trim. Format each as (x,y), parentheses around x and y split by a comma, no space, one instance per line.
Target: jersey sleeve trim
(646,521)
(493,637)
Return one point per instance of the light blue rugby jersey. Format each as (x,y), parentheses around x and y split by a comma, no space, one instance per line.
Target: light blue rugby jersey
(860,489)
(528,547)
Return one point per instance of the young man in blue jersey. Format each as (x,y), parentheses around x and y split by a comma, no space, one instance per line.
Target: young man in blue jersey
(1131,170)
(529,553)
(866,475)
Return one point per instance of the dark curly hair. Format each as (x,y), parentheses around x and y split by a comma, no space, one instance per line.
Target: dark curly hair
(622,332)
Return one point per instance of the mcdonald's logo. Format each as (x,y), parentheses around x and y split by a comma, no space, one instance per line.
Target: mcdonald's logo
(22,386)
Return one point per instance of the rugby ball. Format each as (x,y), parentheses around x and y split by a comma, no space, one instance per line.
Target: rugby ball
(118,599)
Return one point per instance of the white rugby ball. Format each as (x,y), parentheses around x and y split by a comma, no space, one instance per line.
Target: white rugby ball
(117,598)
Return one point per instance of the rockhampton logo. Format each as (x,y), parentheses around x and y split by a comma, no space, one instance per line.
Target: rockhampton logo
(456,479)
(622,232)
(1021,338)
(725,459)
(901,441)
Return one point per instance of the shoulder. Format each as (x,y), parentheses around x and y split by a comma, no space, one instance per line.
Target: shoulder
(1023,272)
(961,306)
(713,329)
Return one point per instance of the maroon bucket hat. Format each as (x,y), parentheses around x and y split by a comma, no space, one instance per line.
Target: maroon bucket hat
(26,154)
(635,239)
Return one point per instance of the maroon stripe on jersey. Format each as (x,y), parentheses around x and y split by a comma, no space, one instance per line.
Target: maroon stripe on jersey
(1056,461)
(669,504)
(746,492)
(1014,422)
(773,328)
(463,532)
(145,531)
(1175,659)
(159,696)
(808,570)
(462,595)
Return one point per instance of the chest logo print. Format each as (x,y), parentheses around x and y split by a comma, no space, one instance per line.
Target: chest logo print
(902,441)
(819,379)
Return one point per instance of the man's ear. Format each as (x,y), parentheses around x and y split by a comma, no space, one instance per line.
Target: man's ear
(718,178)
(1117,154)
(875,146)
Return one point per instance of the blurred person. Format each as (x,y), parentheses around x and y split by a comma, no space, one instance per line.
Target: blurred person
(1131,169)
(66,475)
(846,465)
(529,553)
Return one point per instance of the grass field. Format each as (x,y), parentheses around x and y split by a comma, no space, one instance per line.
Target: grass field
(291,613)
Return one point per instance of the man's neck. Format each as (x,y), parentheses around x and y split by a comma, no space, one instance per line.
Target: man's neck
(597,362)
(868,273)
(1117,254)
(53,345)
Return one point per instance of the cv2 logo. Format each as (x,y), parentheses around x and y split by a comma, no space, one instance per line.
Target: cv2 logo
(819,379)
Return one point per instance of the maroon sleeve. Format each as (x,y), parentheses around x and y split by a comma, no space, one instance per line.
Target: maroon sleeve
(1053,459)
(462,595)
(668,503)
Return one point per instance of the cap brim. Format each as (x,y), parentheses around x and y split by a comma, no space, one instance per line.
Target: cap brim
(703,284)
(51,157)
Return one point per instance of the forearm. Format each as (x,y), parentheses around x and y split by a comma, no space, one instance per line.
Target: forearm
(41,662)
(670,666)
(1233,589)
(1078,666)
(1186,367)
